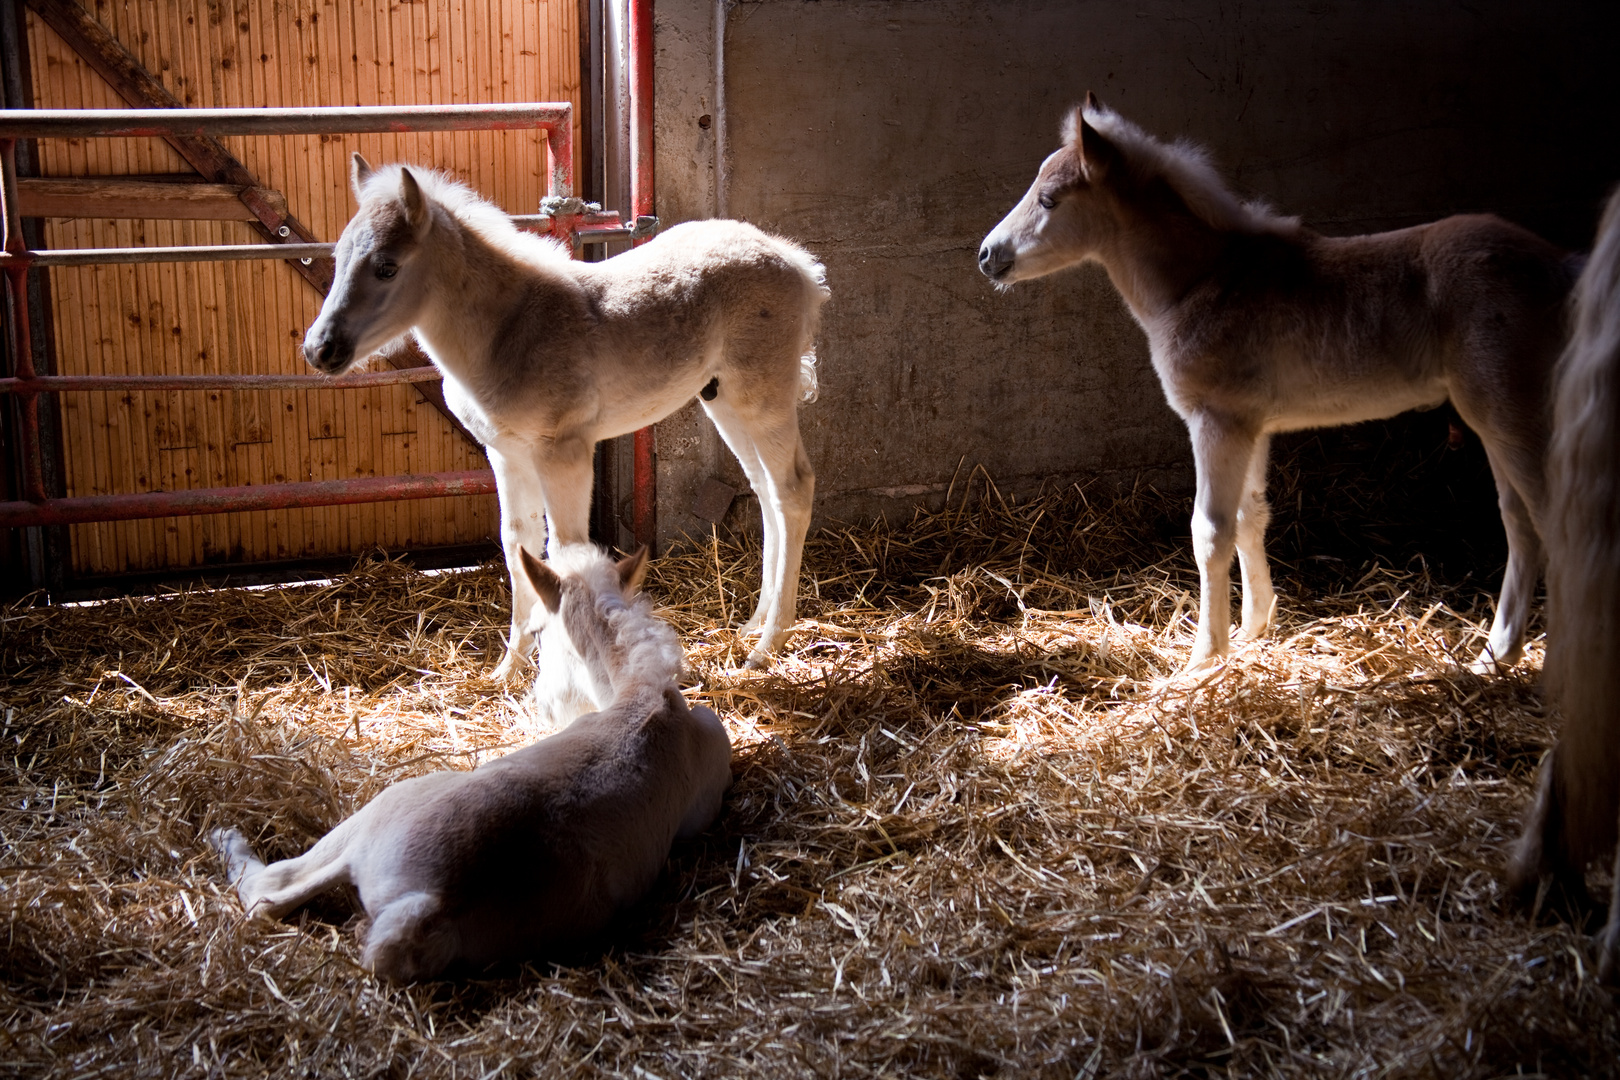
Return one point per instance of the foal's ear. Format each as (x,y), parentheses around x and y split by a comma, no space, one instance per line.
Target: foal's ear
(543,578)
(1097,154)
(632,568)
(359,172)
(416,207)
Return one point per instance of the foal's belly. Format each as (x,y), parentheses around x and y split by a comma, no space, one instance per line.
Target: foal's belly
(1354,405)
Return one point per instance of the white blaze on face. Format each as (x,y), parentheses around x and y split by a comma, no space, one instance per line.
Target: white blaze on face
(1017,248)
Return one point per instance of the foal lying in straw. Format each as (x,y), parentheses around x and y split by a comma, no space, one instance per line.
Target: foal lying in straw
(539,850)
(1258,325)
(543,356)
(1575,819)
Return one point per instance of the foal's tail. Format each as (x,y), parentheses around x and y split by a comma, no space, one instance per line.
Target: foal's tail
(816,293)
(1580,815)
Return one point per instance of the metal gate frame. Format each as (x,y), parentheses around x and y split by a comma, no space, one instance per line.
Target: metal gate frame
(562,215)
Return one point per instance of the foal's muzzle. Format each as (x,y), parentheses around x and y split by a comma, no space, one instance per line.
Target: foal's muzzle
(995,260)
(327,353)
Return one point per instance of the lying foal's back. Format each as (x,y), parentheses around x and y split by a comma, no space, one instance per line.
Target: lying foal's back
(541,849)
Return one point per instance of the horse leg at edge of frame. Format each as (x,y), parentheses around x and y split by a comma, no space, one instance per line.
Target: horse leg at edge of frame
(1221,458)
(1530,865)
(1609,936)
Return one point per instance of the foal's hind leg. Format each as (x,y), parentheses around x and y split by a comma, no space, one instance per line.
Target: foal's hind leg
(1254,515)
(276,889)
(410,939)
(1514,480)
(1222,454)
(767,444)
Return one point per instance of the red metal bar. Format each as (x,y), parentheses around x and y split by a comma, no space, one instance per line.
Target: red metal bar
(357,380)
(560,151)
(644,506)
(321,120)
(151,504)
(556,118)
(17,260)
(197,253)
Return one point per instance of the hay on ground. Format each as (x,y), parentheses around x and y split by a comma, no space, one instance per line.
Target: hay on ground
(975,829)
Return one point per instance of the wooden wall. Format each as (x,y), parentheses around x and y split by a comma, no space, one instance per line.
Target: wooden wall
(251,316)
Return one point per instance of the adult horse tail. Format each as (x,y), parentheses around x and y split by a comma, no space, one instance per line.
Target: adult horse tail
(1576,816)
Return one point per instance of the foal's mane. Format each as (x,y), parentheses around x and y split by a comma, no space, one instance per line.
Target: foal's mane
(489,221)
(1187,168)
(644,643)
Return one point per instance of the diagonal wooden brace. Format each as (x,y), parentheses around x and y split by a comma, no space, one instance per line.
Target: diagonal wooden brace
(124,72)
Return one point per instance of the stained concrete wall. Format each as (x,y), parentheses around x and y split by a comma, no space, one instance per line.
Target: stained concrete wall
(889,135)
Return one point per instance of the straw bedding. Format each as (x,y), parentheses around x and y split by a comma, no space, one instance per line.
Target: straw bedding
(974,830)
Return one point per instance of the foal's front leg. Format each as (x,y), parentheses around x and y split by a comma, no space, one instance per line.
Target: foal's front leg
(523,524)
(1222,454)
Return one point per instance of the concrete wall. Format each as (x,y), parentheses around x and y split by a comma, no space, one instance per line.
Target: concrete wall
(889,135)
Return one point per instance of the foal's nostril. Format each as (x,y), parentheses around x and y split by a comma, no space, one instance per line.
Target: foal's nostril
(994,260)
(319,353)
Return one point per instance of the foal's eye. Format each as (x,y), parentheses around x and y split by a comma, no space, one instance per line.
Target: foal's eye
(1046,200)
(385,271)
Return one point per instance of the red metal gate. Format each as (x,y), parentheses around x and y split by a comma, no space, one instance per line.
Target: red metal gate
(563,216)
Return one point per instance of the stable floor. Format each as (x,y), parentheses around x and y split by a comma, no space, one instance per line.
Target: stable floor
(975,830)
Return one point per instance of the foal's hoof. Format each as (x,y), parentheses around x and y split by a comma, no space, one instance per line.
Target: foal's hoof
(507,668)
(1489,663)
(1202,665)
(1246,635)
(220,839)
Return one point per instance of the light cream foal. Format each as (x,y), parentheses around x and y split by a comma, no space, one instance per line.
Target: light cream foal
(538,851)
(544,356)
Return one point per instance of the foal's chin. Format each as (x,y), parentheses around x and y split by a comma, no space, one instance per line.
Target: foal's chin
(344,363)
(1028,268)
(338,363)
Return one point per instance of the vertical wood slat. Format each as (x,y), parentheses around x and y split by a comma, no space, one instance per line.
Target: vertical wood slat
(249,317)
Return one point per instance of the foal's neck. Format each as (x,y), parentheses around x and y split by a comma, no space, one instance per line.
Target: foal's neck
(476,287)
(1159,252)
(640,653)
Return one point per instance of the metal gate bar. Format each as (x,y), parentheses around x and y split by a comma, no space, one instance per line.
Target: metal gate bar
(570,220)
